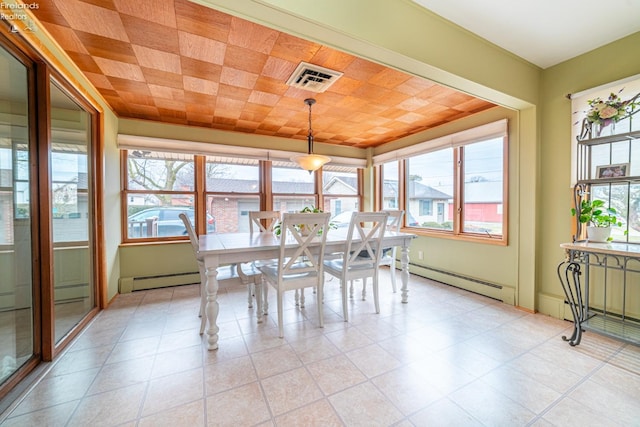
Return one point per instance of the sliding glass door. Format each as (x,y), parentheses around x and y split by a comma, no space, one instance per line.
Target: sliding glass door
(71,213)
(16,266)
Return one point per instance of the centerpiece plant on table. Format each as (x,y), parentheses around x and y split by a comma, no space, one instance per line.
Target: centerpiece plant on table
(277,230)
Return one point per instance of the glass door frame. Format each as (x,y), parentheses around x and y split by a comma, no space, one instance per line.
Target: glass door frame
(40,72)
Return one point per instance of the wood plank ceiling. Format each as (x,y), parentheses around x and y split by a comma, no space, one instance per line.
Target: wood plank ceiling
(175,61)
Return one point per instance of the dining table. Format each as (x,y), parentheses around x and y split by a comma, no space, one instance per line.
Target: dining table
(219,249)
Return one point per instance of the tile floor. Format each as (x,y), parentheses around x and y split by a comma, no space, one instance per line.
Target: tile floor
(448,358)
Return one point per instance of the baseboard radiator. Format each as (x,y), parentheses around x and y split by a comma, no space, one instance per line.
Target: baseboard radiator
(140,283)
(472,284)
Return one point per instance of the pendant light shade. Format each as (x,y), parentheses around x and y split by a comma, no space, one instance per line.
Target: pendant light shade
(310,162)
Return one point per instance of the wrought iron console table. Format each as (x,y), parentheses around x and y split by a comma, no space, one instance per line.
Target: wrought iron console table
(607,299)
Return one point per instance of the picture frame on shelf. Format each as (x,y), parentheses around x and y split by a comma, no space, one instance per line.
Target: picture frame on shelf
(617,170)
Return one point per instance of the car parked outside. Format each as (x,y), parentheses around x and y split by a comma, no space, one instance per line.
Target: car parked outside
(169,223)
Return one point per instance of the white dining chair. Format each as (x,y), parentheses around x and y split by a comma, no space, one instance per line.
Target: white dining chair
(249,272)
(262,221)
(388,257)
(300,262)
(361,255)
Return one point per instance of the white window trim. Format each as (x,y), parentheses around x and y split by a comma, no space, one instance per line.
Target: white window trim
(492,130)
(135,142)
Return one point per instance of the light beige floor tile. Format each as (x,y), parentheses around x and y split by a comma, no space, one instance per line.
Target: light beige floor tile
(242,406)
(447,358)
(180,339)
(444,413)
(621,407)
(228,348)
(53,416)
(521,388)
(316,414)
(110,408)
(443,375)
(188,415)
(406,390)
(335,374)
(127,350)
(545,372)
(365,405)
(348,339)
(314,348)
(122,374)
(406,350)
(182,359)
(54,390)
(290,390)
(373,360)
(491,407)
(228,374)
(569,412)
(77,361)
(616,378)
(173,390)
(276,360)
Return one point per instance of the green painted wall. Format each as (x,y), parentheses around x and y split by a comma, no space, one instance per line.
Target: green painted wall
(606,64)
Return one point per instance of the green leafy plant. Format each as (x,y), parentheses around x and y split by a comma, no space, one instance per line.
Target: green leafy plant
(277,229)
(595,213)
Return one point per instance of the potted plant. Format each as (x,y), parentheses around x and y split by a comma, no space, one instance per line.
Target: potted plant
(598,218)
(307,209)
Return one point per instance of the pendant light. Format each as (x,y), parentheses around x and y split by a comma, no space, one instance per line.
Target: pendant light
(310,162)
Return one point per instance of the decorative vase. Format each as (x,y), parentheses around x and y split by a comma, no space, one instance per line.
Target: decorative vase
(598,234)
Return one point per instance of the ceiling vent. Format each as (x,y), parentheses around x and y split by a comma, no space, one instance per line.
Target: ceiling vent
(313,78)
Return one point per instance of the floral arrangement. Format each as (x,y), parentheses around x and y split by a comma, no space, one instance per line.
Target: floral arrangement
(610,110)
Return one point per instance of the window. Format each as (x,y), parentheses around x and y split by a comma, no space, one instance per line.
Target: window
(389,172)
(340,191)
(454,186)
(159,187)
(430,180)
(293,188)
(426,207)
(233,189)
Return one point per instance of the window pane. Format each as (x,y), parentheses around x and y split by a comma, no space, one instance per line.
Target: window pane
(390,185)
(158,171)
(340,190)
(483,187)
(231,212)
(430,182)
(288,178)
(232,175)
(292,203)
(617,197)
(156,215)
(69,193)
(226,175)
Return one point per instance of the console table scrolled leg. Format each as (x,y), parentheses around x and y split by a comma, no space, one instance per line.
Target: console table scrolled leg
(569,275)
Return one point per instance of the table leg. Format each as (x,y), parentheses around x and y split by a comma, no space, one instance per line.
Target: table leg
(212,307)
(404,262)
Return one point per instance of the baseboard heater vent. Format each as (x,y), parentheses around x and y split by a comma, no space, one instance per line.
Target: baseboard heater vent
(139,283)
(459,276)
